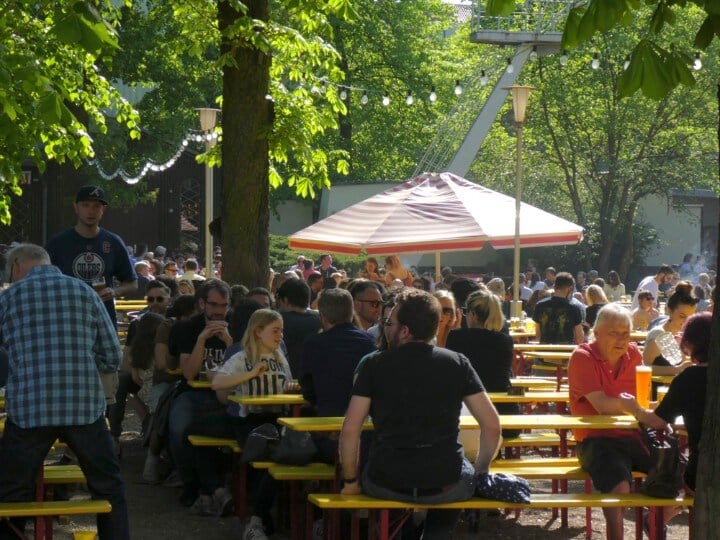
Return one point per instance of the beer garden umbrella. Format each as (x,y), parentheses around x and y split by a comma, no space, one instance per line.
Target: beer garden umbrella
(435,212)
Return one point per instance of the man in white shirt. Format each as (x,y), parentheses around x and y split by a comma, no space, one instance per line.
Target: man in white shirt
(664,275)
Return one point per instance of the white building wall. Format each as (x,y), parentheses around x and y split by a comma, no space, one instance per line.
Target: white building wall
(679,229)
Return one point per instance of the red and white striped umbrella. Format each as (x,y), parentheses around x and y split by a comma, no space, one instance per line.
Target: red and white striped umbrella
(434,212)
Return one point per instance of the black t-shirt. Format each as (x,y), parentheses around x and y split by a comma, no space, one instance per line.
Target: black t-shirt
(557,318)
(686,398)
(184,335)
(417,392)
(296,327)
(490,354)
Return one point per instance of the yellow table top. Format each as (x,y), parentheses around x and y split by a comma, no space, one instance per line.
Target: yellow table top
(199,384)
(276,399)
(544,347)
(549,356)
(530,397)
(638,335)
(533,382)
(663,379)
(509,421)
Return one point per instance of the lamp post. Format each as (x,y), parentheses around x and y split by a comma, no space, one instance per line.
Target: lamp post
(208,118)
(520,95)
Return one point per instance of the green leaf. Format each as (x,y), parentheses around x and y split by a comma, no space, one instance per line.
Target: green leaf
(49,107)
(706,33)
(501,8)
(570,38)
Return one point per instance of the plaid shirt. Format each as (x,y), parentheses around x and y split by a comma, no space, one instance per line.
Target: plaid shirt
(58,336)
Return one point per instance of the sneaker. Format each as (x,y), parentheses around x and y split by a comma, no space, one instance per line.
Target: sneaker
(188,496)
(203,506)
(173,480)
(151,473)
(254,530)
(222,501)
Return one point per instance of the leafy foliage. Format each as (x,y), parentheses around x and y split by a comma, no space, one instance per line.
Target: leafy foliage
(51,88)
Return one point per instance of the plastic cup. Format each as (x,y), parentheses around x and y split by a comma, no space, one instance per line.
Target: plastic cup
(643,387)
(99,284)
(84,535)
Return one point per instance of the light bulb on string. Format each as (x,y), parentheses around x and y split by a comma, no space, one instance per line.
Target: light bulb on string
(364,99)
(483,78)
(510,68)
(386,100)
(409,100)
(534,53)
(458,88)
(343,94)
(626,63)
(433,95)
(697,63)
(563,58)
(595,64)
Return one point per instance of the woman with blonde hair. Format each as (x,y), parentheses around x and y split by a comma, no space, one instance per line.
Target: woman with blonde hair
(596,299)
(395,270)
(450,317)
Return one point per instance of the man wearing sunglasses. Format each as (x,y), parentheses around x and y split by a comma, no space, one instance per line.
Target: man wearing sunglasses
(158,299)
(367,301)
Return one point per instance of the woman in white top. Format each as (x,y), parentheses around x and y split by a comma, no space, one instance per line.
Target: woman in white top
(614,290)
(680,306)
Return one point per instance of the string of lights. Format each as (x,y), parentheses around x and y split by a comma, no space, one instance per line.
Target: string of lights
(344,93)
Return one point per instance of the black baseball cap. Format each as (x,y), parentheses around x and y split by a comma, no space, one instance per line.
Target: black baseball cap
(91,193)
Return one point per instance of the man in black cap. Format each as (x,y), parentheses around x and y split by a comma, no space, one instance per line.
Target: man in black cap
(92,254)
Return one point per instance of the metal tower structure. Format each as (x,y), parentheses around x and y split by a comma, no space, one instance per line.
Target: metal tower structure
(535,27)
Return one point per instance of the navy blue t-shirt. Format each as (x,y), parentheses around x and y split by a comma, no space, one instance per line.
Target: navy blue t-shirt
(91,258)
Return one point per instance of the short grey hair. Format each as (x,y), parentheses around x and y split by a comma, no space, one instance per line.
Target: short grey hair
(611,313)
(26,252)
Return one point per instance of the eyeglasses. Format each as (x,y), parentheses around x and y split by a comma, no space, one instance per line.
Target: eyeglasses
(373,303)
(151,299)
(448,311)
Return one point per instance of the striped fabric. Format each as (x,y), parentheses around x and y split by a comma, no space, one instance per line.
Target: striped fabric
(434,212)
(58,336)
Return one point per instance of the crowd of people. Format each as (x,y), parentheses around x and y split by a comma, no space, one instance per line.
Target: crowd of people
(401,347)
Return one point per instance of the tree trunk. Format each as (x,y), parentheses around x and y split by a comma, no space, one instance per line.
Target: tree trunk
(707,496)
(247,118)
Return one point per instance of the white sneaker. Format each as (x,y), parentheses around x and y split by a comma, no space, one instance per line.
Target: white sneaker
(254,530)
(222,502)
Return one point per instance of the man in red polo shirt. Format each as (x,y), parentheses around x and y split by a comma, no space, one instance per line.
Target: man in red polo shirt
(602,381)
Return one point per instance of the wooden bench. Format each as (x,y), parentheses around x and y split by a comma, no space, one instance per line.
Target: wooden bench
(239,468)
(512,445)
(46,510)
(333,502)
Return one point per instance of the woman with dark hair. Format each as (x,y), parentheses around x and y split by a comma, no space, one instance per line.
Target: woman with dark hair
(614,290)
(686,396)
(371,270)
(680,306)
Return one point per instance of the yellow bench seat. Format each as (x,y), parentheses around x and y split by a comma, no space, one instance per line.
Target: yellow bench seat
(202,440)
(53,508)
(311,471)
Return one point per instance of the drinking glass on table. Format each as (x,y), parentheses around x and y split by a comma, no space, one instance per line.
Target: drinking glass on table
(98,284)
(643,387)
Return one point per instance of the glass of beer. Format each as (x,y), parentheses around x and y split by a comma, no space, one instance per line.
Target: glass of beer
(643,388)
(99,284)
(661,391)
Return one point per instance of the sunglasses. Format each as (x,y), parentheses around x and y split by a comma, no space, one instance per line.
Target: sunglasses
(373,303)
(151,299)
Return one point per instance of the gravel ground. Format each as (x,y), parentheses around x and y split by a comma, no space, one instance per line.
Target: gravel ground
(155,513)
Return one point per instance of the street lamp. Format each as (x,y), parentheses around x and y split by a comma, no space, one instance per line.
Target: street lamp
(208,118)
(520,95)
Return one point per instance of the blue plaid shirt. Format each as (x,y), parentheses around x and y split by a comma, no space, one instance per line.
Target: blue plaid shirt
(58,336)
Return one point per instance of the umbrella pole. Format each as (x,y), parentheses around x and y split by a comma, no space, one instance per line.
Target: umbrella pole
(438,274)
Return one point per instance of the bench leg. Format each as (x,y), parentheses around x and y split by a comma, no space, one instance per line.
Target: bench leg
(384,524)
(240,475)
(588,512)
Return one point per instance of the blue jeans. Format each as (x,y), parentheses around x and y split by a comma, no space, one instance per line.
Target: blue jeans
(439,524)
(22,452)
(185,409)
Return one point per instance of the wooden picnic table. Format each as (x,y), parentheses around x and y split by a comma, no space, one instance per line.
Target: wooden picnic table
(533,347)
(533,383)
(552,357)
(200,383)
(275,399)
(530,397)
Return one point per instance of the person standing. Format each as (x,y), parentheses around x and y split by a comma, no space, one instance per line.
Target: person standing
(93,254)
(664,275)
(58,337)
